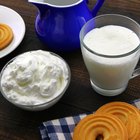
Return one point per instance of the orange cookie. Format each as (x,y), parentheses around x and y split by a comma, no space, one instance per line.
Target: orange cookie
(128,114)
(100,127)
(6,36)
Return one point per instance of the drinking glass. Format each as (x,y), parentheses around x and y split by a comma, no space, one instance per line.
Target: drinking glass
(110,74)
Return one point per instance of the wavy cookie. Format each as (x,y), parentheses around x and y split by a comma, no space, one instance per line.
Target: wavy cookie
(127,113)
(6,36)
(100,127)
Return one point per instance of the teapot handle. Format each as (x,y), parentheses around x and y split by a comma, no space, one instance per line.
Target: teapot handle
(97,7)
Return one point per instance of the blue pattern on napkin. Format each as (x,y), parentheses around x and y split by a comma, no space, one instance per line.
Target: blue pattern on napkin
(62,129)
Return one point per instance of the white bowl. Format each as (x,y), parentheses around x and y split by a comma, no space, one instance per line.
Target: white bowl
(42,106)
(15,21)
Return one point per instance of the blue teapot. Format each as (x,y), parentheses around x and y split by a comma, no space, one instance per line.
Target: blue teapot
(59,22)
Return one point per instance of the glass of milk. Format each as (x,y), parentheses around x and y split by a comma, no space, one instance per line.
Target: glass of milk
(110,47)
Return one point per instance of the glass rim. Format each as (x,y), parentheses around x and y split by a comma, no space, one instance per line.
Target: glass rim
(42,104)
(104,55)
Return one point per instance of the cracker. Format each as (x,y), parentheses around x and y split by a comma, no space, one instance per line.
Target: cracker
(100,127)
(127,113)
(6,35)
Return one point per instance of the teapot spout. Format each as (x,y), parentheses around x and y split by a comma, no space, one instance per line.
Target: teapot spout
(36,2)
(42,7)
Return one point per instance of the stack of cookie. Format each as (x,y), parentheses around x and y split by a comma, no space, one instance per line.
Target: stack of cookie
(6,36)
(112,121)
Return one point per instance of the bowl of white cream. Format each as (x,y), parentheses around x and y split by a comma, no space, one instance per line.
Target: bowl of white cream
(35,80)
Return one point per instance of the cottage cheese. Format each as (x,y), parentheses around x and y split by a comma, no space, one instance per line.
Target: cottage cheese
(34,78)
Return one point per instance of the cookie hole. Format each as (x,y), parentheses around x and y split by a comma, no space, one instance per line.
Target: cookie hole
(100,137)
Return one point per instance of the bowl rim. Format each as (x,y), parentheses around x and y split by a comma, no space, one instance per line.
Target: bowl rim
(47,102)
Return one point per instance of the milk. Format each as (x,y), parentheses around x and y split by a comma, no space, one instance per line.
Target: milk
(110,73)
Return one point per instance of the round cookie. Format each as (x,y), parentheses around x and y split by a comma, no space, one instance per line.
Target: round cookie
(100,127)
(6,36)
(128,114)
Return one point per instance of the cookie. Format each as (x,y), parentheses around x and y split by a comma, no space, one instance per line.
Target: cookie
(6,36)
(100,127)
(128,114)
